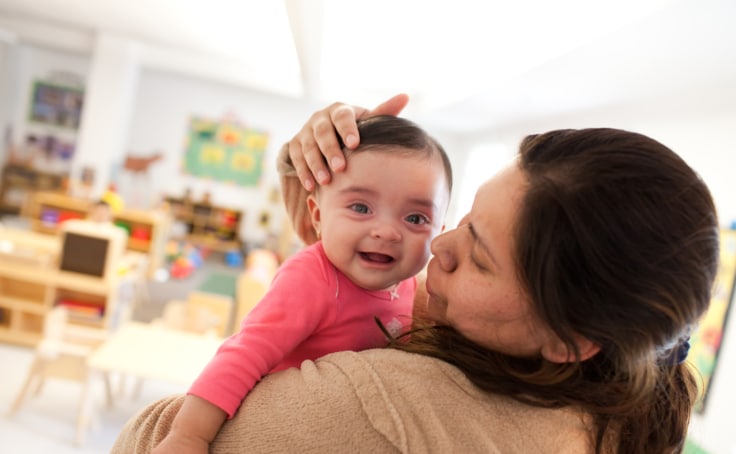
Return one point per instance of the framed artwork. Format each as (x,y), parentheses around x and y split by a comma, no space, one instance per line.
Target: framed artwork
(225,151)
(56,105)
(706,340)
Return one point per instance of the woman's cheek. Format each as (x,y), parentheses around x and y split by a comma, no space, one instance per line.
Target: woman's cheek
(436,310)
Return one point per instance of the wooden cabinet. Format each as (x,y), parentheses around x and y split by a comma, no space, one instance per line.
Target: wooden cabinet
(47,210)
(148,231)
(19,183)
(23,304)
(208,225)
(31,284)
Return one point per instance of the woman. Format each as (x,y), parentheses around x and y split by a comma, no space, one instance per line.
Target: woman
(557,318)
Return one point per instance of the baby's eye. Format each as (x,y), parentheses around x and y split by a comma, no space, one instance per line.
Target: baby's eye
(417,219)
(360,208)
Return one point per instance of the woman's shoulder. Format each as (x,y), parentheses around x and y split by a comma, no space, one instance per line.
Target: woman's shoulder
(381,400)
(454,413)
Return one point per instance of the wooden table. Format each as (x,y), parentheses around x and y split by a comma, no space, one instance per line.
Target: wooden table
(147,351)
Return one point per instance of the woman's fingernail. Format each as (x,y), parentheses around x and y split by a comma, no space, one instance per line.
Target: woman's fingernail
(351,140)
(337,163)
(308,185)
(321,176)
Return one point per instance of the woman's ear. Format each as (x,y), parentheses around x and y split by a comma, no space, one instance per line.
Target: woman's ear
(314,213)
(556,351)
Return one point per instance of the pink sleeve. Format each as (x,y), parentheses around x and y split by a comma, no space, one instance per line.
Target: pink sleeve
(295,306)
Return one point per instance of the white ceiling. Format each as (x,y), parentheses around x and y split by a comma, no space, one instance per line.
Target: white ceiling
(468,65)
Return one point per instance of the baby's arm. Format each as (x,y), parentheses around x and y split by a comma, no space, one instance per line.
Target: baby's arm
(274,328)
(194,427)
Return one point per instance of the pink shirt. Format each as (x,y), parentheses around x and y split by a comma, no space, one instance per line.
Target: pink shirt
(311,309)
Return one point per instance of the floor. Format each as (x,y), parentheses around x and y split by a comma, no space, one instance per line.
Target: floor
(46,423)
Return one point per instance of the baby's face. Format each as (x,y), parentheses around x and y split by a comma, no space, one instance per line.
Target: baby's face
(377,218)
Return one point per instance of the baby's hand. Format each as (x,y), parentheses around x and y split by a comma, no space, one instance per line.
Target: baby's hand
(181,444)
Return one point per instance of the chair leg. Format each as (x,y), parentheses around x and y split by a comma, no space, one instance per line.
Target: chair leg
(33,377)
(39,385)
(108,389)
(84,416)
(137,388)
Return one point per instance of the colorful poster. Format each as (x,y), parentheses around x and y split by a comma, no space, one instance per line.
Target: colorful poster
(225,151)
(56,105)
(706,340)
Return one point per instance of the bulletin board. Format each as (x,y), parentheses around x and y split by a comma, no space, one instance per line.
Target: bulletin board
(706,340)
(224,150)
(56,105)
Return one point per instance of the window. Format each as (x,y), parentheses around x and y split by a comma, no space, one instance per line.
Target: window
(483,162)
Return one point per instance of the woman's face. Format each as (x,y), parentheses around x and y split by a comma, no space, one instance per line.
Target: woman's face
(472,279)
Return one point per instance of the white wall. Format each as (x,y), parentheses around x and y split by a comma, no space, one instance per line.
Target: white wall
(160,120)
(27,64)
(161,110)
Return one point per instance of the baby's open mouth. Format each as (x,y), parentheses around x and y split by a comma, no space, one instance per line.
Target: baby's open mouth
(376,257)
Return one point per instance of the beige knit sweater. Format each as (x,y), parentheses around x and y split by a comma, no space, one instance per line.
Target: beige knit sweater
(375,401)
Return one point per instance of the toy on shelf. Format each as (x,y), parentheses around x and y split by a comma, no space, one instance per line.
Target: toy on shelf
(183,258)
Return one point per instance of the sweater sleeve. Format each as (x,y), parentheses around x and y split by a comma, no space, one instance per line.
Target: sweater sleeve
(281,321)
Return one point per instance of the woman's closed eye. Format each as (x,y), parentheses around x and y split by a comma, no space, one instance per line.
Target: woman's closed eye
(477,263)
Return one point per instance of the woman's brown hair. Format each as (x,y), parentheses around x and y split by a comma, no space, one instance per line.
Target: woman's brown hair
(616,241)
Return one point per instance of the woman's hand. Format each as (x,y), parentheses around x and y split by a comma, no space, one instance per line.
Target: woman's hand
(318,138)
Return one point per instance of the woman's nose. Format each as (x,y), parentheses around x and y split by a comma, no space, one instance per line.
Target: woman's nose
(442,251)
(386,231)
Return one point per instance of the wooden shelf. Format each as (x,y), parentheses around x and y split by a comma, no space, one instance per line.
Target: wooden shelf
(19,183)
(31,287)
(147,230)
(208,225)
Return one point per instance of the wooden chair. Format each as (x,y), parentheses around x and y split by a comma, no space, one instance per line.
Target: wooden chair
(195,315)
(204,314)
(63,353)
(253,283)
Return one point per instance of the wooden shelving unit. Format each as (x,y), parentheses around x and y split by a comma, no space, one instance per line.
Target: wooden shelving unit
(212,226)
(148,231)
(19,183)
(31,284)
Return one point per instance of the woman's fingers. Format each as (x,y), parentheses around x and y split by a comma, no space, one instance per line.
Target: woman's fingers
(345,117)
(315,149)
(307,147)
(303,172)
(392,106)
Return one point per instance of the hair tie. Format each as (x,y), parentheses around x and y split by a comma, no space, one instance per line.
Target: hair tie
(680,353)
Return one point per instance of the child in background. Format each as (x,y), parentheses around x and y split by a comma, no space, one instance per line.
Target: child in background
(374,223)
(100,212)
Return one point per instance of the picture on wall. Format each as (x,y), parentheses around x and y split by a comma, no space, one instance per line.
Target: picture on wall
(225,151)
(706,340)
(56,105)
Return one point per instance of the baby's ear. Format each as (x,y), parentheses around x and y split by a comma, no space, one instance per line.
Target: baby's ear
(314,213)
(556,351)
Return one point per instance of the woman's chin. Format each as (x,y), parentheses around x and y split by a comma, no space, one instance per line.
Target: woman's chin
(436,311)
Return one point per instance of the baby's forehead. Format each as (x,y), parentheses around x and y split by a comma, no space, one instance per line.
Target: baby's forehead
(427,153)
(392,150)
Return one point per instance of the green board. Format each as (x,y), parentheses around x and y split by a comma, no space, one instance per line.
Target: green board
(225,151)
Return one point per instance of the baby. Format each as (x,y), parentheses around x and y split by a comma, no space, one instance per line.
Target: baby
(374,223)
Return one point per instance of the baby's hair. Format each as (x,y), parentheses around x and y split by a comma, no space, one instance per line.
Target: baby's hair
(387,133)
